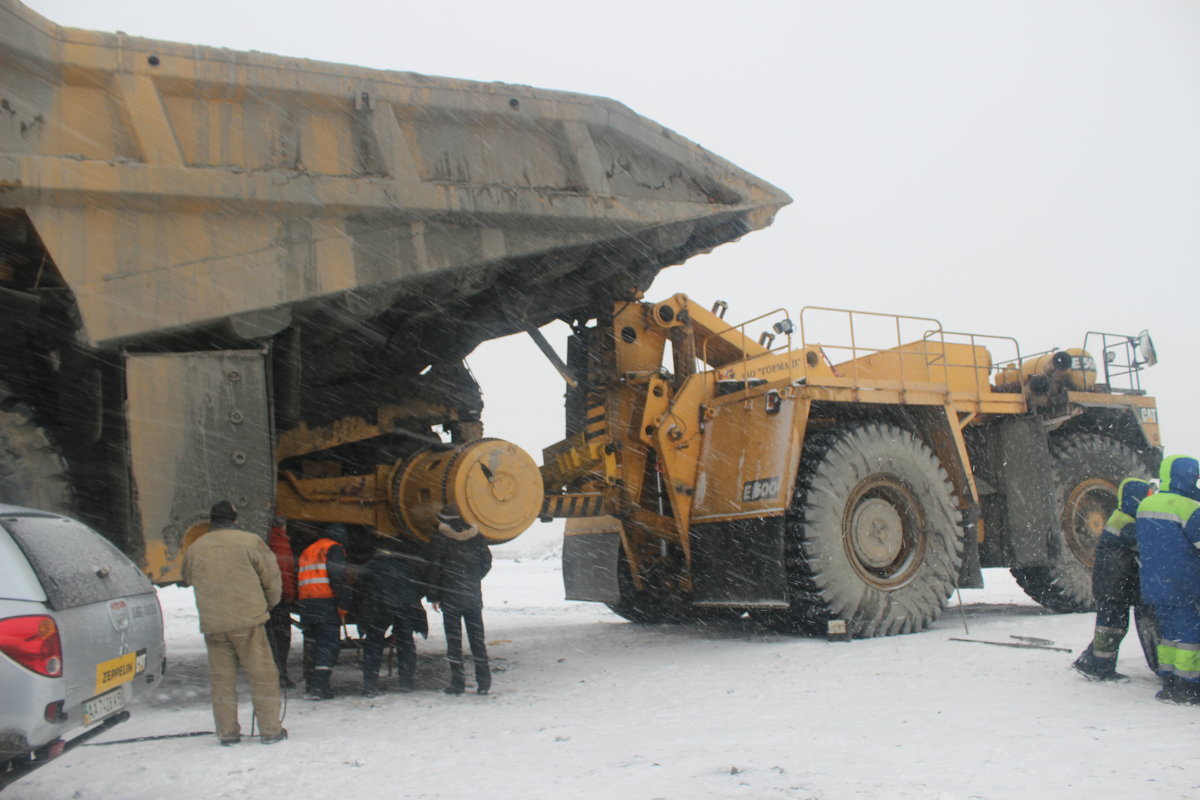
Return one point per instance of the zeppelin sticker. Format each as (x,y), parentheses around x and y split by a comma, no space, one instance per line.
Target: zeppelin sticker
(119,670)
(761,489)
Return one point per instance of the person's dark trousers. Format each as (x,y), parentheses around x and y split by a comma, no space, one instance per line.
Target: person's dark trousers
(279,634)
(325,639)
(406,658)
(1115,585)
(453,620)
(406,655)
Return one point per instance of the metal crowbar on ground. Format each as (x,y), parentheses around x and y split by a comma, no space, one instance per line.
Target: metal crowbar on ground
(1026,642)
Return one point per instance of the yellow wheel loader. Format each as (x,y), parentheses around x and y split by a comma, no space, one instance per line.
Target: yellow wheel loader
(821,479)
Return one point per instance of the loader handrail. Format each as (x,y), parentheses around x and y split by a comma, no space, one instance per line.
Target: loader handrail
(858,351)
(985,369)
(784,328)
(1114,347)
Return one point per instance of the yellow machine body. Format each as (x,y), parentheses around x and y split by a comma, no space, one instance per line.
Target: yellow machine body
(693,435)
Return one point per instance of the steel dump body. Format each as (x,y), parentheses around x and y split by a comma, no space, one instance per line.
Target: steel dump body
(174,185)
(318,246)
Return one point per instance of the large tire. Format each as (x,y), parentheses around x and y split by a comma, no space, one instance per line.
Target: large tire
(875,536)
(1088,468)
(32,472)
(649,605)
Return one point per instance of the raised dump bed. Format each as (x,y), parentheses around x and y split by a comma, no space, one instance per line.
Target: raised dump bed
(355,231)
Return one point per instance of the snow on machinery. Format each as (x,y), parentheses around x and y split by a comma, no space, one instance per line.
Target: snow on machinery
(235,275)
(827,481)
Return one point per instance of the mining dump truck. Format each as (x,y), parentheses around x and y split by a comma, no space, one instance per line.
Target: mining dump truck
(837,471)
(235,275)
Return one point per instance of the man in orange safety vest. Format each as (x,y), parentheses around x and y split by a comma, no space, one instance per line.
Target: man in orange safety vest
(323,596)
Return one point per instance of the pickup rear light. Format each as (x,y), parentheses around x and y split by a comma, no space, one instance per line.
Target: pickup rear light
(33,643)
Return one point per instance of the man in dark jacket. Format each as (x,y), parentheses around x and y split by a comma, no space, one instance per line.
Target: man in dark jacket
(1168,533)
(389,591)
(459,558)
(324,597)
(1115,583)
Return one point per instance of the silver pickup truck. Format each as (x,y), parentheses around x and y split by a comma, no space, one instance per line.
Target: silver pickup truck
(81,634)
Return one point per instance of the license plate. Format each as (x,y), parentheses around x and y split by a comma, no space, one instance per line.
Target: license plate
(101,706)
(119,670)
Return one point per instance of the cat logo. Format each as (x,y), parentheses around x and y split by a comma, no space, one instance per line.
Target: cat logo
(1148,416)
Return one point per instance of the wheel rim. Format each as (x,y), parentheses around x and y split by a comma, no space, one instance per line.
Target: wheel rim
(1085,514)
(883,532)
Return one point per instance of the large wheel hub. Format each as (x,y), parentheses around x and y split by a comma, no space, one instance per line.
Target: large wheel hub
(877,532)
(883,531)
(1085,513)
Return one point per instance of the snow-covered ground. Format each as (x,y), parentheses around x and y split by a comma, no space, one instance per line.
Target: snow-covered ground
(589,706)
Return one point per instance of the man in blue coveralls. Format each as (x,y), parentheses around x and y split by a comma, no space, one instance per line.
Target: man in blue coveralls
(1168,533)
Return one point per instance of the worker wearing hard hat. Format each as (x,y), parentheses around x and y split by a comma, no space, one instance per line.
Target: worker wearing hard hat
(1168,534)
(1115,582)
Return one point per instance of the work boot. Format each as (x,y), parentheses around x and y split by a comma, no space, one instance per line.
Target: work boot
(279,737)
(1167,693)
(230,741)
(1188,692)
(371,690)
(1179,691)
(1095,668)
(320,689)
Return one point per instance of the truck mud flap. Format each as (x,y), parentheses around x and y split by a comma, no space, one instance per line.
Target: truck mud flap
(740,563)
(199,432)
(590,562)
(1026,480)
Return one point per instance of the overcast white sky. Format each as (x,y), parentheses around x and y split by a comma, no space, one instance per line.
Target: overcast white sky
(1019,168)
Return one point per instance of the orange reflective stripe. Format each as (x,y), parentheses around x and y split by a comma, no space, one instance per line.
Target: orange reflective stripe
(313,574)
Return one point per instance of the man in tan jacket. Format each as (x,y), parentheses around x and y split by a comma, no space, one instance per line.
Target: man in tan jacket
(237,583)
